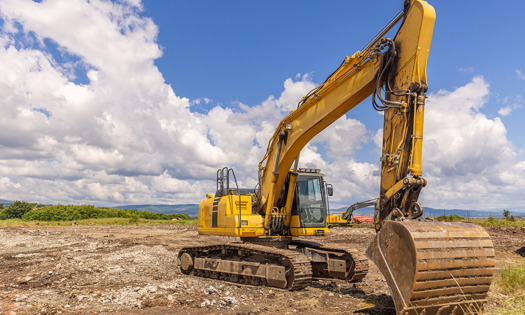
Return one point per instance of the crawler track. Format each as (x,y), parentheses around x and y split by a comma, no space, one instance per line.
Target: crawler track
(248,264)
(356,263)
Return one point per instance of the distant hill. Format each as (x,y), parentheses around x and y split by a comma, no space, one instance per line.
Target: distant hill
(193,210)
(189,209)
(472,213)
(431,212)
(6,202)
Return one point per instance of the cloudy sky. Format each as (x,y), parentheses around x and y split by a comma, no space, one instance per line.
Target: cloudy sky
(130,102)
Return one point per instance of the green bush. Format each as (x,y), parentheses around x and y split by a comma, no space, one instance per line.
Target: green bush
(67,213)
(455,217)
(134,218)
(450,218)
(16,210)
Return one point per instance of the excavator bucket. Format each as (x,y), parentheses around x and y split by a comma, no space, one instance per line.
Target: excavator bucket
(435,267)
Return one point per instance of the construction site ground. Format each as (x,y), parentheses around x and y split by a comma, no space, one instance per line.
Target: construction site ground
(133,269)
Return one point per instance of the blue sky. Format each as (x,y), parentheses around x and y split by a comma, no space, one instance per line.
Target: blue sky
(130,101)
(243,51)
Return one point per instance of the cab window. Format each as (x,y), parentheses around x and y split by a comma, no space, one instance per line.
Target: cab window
(310,201)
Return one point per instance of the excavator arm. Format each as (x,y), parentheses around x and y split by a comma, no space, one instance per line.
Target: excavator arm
(395,68)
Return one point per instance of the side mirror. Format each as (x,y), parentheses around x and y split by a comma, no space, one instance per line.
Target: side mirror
(330,190)
(209,196)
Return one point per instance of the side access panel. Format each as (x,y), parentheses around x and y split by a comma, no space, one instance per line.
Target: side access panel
(229,215)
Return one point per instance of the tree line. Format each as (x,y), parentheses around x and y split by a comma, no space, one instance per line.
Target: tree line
(35,212)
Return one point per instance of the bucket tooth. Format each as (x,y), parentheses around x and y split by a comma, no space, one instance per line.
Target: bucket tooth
(434,267)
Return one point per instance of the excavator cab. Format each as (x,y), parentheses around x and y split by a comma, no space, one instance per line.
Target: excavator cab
(309,212)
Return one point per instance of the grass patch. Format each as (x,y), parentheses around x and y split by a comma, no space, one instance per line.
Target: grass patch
(492,221)
(508,288)
(513,278)
(511,306)
(95,221)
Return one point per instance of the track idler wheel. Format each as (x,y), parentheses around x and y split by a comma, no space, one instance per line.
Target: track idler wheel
(434,267)
(186,263)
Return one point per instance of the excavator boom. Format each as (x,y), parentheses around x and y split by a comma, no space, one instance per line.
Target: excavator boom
(397,66)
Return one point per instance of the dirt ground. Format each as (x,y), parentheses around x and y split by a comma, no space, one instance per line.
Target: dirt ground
(133,270)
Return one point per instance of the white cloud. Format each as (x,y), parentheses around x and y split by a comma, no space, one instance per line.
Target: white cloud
(466,70)
(125,126)
(467,158)
(520,74)
(6,182)
(506,110)
(135,3)
(124,136)
(204,100)
(378,139)
(343,138)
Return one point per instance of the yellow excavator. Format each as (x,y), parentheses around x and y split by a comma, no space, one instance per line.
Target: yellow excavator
(347,217)
(430,267)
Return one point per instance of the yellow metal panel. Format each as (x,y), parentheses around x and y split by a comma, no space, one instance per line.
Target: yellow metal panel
(227,217)
(295,221)
(308,231)
(297,230)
